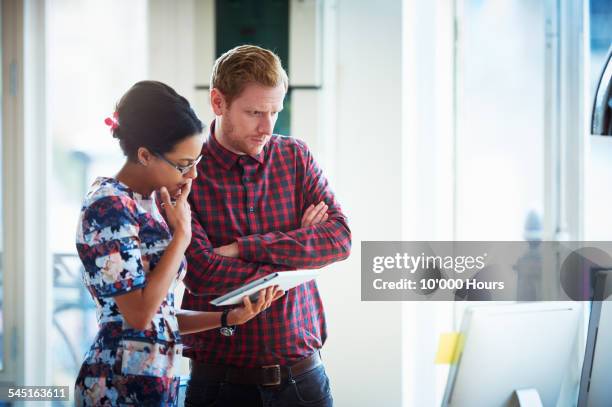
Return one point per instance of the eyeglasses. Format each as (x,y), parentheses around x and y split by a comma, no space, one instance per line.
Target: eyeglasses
(183,169)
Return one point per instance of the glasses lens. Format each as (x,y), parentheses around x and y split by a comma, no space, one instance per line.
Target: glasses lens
(186,169)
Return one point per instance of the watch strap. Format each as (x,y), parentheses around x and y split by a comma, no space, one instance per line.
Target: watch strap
(226,330)
(224,317)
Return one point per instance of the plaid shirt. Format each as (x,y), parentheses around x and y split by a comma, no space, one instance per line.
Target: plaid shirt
(258,202)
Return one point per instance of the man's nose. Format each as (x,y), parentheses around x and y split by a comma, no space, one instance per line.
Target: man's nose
(266,124)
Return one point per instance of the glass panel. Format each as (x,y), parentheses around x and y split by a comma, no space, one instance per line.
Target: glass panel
(600,15)
(500,120)
(1,212)
(500,128)
(598,222)
(95,52)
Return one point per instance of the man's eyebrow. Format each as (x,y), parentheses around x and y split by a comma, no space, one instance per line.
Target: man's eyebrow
(254,109)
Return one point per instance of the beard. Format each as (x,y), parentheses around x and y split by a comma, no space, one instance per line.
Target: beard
(241,144)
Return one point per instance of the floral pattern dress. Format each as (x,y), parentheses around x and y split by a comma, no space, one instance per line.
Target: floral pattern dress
(121,236)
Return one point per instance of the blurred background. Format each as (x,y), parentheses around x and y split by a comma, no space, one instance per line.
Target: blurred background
(433,120)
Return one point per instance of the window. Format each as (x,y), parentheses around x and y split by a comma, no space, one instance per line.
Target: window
(500,118)
(598,222)
(504,58)
(95,52)
(1,213)
(600,39)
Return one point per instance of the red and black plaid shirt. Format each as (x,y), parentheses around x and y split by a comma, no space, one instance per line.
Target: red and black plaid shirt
(258,202)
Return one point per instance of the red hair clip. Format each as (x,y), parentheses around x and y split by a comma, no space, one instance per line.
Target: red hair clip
(112,122)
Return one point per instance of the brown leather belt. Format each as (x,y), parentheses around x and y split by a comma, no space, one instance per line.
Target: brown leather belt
(271,375)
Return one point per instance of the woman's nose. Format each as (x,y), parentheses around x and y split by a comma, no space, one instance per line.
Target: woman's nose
(192,173)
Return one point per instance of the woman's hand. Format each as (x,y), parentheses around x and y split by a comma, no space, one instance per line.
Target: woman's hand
(178,213)
(249,310)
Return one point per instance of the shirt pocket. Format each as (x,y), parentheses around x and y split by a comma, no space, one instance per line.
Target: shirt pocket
(149,359)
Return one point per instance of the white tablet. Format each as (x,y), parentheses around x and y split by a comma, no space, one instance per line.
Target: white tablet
(285,280)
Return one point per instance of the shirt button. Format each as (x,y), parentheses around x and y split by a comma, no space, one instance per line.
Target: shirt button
(251,209)
(246,179)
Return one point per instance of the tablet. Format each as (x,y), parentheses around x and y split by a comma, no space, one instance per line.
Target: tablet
(285,280)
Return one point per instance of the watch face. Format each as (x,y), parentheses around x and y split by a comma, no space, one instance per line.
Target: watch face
(227,331)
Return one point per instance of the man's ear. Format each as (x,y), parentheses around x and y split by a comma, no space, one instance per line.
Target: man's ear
(144,156)
(217,101)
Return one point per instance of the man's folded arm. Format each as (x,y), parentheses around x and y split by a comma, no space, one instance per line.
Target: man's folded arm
(307,247)
(310,247)
(210,273)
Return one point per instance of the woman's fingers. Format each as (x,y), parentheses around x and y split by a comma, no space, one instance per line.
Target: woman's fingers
(272,296)
(261,300)
(278,293)
(266,303)
(165,196)
(185,191)
(248,305)
(265,298)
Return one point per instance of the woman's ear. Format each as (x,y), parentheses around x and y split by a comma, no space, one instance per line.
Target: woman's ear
(144,156)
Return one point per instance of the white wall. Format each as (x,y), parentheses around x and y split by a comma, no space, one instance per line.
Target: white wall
(172,43)
(363,352)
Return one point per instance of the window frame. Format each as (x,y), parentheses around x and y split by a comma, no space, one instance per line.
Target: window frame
(27,281)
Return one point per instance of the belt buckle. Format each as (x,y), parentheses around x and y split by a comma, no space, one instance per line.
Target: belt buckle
(272,375)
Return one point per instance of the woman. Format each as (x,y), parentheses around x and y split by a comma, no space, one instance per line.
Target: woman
(133,258)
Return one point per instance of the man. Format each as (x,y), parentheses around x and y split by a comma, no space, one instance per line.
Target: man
(260,204)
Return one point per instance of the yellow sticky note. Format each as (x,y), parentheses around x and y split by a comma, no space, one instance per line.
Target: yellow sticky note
(449,348)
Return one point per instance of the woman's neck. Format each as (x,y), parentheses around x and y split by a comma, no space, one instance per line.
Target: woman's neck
(133,175)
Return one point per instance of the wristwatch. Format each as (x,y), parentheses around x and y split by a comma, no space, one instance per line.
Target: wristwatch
(226,330)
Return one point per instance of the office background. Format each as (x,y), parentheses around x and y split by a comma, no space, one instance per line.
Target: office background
(433,120)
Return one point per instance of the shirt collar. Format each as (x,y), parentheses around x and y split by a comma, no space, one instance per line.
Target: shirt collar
(225,157)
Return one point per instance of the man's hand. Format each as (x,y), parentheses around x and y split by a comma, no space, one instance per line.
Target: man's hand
(229,250)
(315,214)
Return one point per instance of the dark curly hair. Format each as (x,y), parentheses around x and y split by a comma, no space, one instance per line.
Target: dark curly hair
(152,115)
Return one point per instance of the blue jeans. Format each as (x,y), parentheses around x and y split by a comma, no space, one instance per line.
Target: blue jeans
(308,389)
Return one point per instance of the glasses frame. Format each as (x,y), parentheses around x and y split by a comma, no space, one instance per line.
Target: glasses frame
(183,169)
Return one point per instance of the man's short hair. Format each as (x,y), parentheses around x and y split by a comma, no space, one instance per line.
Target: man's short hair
(246,64)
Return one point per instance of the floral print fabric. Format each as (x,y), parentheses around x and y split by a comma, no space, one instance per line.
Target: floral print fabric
(121,236)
